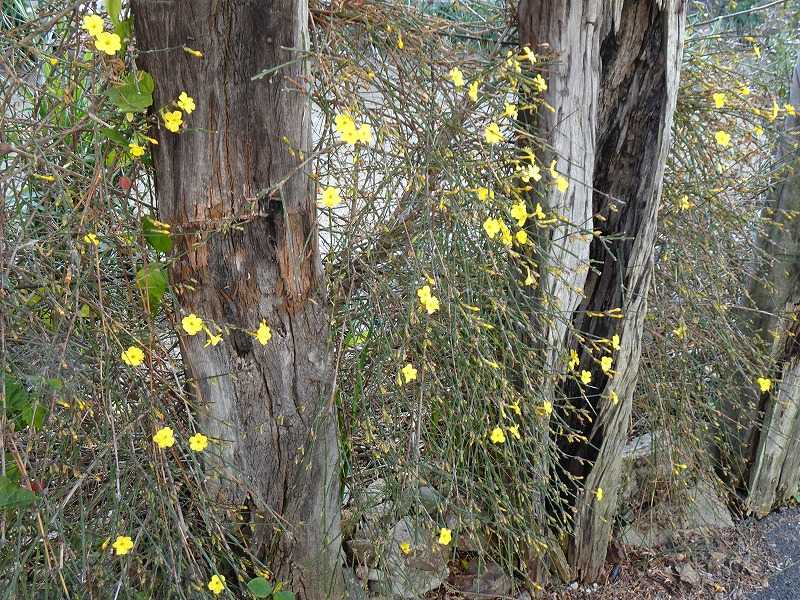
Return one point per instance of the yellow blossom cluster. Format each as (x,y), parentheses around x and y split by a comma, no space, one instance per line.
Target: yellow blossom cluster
(105,41)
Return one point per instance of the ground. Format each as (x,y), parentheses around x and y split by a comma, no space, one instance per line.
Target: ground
(756,560)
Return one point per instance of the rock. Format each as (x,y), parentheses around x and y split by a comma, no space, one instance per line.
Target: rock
(413,575)
(706,509)
(646,463)
(430,499)
(487,580)
(688,574)
(355,589)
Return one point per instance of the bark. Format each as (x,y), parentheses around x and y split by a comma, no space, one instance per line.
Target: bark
(236,191)
(614,89)
(774,445)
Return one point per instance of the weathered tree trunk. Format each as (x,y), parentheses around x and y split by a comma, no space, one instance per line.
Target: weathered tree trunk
(614,89)
(236,190)
(774,442)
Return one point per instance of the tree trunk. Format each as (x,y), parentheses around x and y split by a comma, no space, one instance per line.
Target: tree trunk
(235,188)
(774,445)
(614,89)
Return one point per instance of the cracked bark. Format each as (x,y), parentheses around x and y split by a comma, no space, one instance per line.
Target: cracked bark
(774,442)
(613,88)
(242,256)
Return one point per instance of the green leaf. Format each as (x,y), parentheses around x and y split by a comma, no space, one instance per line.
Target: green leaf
(12,471)
(114,135)
(17,397)
(157,234)
(124,29)
(134,94)
(113,6)
(14,496)
(33,416)
(260,587)
(152,279)
(283,595)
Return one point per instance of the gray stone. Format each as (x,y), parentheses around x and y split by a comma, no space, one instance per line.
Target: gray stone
(430,499)
(415,574)
(355,589)
(688,574)
(483,580)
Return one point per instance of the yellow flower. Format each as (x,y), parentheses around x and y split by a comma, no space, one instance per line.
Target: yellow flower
(744,91)
(93,24)
(122,545)
(510,110)
(758,130)
(108,42)
(573,360)
(612,395)
(409,373)
(528,54)
(445,536)
(529,280)
(773,114)
(529,172)
(192,324)
(91,238)
(497,436)
(428,300)
(331,197)
(719,100)
(193,52)
(680,331)
(615,342)
(133,356)
(198,442)
(186,102)
(545,409)
(586,377)
(473,90)
(757,50)
(790,109)
(457,77)
(514,431)
(684,203)
(164,437)
(400,43)
(212,340)
(492,134)
(364,133)
(173,120)
(136,150)
(519,213)
(505,233)
(483,194)
(405,548)
(522,237)
(263,333)
(764,384)
(599,494)
(562,184)
(491,227)
(539,83)
(515,407)
(217,584)
(605,363)
(723,138)
(349,132)
(539,213)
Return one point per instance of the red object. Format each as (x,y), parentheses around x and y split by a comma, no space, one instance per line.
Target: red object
(124,183)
